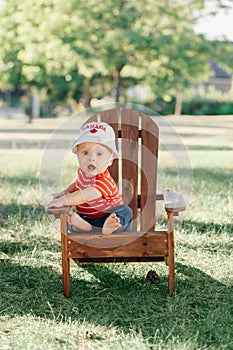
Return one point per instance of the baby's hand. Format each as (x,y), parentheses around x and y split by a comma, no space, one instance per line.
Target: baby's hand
(55,203)
(57,194)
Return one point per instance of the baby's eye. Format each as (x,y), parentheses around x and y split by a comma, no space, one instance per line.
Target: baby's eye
(85,153)
(99,154)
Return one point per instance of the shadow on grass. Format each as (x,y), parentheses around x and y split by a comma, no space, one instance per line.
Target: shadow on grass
(21,212)
(14,248)
(213,175)
(105,296)
(208,228)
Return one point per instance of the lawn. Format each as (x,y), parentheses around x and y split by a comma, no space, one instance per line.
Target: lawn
(112,306)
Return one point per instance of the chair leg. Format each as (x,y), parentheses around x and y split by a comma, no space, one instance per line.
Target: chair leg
(171,258)
(65,259)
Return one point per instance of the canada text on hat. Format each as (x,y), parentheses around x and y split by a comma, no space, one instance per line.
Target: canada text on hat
(94,127)
(97,132)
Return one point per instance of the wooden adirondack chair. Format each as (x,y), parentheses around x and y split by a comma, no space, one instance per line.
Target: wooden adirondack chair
(138,137)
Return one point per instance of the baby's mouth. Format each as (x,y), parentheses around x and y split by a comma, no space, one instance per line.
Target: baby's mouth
(91,167)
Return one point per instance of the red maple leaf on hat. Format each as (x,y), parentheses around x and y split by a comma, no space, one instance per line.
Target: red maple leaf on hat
(93,131)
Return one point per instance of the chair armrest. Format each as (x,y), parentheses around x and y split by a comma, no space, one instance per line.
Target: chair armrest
(174,202)
(57,211)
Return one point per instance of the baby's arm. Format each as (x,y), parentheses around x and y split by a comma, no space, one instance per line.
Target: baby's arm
(69,189)
(75,198)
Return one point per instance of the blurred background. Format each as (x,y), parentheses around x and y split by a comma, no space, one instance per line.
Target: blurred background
(58,57)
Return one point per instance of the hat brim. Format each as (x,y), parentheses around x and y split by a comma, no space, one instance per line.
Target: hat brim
(96,139)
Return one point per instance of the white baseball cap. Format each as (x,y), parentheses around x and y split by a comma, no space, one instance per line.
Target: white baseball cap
(98,132)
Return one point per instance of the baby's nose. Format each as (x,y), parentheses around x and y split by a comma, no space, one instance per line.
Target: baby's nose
(92,156)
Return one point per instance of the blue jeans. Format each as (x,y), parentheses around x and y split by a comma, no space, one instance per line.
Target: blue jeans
(123,212)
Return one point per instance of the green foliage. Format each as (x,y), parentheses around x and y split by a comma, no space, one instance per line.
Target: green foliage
(32,51)
(58,45)
(207,102)
(223,54)
(207,107)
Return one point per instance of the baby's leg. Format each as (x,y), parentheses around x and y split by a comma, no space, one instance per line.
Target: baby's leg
(77,222)
(111,224)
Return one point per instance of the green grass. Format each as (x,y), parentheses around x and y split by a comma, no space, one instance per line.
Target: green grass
(112,306)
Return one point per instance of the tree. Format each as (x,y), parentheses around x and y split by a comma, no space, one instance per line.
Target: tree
(33,55)
(134,39)
(73,46)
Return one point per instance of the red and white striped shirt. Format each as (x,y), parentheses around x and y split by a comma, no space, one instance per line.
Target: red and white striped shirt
(110,199)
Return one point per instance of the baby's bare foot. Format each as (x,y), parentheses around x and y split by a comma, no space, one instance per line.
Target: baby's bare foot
(111,224)
(77,222)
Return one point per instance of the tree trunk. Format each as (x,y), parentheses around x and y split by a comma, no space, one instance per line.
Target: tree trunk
(117,81)
(117,85)
(178,106)
(86,93)
(34,104)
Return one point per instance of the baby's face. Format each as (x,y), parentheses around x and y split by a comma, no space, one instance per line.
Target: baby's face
(94,158)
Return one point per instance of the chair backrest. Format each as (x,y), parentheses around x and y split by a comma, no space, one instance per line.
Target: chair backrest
(136,170)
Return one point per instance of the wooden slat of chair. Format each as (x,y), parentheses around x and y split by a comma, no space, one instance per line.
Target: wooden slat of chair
(129,141)
(111,117)
(149,144)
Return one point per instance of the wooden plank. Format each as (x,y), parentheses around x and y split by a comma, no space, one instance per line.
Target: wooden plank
(65,258)
(150,136)
(173,201)
(111,117)
(96,239)
(146,245)
(120,259)
(159,197)
(57,211)
(171,258)
(129,140)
